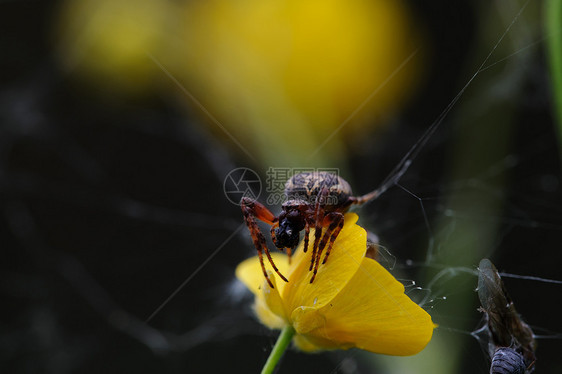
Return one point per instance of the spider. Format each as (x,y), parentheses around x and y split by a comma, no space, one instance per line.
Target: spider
(314,199)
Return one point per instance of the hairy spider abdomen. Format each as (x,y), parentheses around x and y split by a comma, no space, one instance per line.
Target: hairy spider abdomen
(307,186)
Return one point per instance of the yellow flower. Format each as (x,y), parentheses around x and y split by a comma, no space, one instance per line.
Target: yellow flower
(271,69)
(353,302)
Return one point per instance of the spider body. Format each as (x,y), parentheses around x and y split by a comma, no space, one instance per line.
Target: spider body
(302,192)
(314,200)
(307,186)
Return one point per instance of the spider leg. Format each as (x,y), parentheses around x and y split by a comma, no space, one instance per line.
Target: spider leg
(316,261)
(334,221)
(259,243)
(335,227)
(260,255)
(257,210)
(251,209)
(358,200)
(318,218)
(317,234)
(306,235)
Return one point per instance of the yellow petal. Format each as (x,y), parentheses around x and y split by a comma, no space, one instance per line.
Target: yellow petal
(305,345)
(305,319)
(373,313)
(269,306)
(332,277)
(272,298)
(250,273)
(266,316)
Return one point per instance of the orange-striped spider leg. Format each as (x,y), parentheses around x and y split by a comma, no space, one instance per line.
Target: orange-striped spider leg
(335,227)
(334,221)
(306,235)
(317,237)
(318,219)
(252,209)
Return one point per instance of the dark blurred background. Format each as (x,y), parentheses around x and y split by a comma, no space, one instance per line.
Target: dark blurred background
(111,183)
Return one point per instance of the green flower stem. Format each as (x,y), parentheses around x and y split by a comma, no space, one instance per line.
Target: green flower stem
(282,343)
(552,21)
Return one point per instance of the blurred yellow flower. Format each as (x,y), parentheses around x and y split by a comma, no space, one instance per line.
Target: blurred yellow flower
(353,302)
(283,76)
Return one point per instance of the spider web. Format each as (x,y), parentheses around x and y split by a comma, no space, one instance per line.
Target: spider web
(103,235)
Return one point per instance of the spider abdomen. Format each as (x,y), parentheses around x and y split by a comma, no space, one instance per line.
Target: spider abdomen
(307,186)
